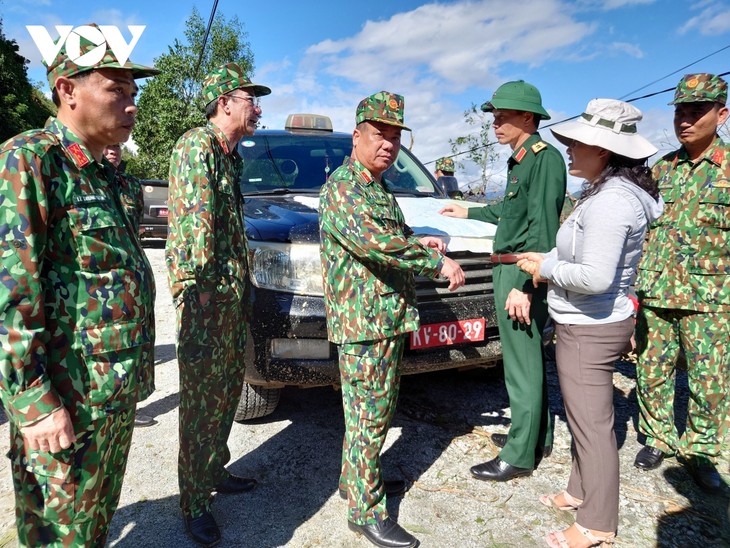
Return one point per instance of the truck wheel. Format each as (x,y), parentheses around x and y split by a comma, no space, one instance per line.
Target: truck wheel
(256,402)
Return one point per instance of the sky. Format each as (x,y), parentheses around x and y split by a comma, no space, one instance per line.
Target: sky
(324,56)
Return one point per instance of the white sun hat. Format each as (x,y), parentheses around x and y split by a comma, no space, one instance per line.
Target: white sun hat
(609,124)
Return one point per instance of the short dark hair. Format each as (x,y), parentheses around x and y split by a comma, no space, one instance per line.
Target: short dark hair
(78,77)
(211,109)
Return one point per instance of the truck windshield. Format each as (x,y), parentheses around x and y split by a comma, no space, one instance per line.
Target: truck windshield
(301,163)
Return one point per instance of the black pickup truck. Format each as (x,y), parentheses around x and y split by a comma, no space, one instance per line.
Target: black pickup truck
(282,174)
(154,221)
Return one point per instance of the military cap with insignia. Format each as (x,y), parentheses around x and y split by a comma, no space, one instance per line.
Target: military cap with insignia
(382,107)
(90,38)
(225,79)
(517,95)
(700,88)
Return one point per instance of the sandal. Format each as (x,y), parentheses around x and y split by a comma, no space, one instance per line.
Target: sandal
(557,539)
(572,503)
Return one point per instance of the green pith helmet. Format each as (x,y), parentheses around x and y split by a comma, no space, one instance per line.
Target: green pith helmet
(518,95)
(700,88)
(382,107)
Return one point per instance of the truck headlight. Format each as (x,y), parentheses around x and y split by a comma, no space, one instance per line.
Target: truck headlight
(295,268)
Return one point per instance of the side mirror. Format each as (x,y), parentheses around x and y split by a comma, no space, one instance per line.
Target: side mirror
(449,185)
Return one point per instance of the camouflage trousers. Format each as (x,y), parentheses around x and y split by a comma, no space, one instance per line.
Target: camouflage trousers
(210,352)
(370,376)
(660,333)
(68,498)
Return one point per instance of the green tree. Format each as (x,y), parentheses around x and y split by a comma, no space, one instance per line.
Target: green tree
(22,106)
(478,149)
(170,103)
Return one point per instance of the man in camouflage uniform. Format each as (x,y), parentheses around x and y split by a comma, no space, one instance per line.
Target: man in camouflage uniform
(445,168)
(684,291)
(132,196)
(369,256)
(527,220)
(75,306)
(207,265)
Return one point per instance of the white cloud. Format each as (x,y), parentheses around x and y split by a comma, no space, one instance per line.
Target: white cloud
(434,53)
(631,49)
(615,4)
(607,5)
(713,20)
(464,47)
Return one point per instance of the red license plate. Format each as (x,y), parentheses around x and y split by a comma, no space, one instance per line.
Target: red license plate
(162,212)
(446,333)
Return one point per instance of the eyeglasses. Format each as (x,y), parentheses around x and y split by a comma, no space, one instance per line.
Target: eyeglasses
(255,101)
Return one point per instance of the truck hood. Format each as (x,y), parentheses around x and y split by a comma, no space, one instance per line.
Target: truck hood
(293,218)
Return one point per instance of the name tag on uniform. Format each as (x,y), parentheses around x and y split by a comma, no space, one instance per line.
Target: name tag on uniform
(90,199)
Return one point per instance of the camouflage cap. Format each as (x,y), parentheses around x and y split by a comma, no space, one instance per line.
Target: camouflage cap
(517,95)
(89,38)
(700,88)
(225,79)
(382,107)
(445,164)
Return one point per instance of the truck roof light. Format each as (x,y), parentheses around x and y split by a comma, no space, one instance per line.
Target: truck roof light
(309,122)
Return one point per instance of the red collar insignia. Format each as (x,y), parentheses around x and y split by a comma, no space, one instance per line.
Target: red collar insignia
(520,154)
(78,155)
(717,157)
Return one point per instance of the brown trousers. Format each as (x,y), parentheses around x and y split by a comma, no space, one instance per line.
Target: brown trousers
(585,356)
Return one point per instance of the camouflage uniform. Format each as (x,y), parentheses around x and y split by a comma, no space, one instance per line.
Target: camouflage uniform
(685,295)
(132,197)
(75,304)
(207,253)
(369,257)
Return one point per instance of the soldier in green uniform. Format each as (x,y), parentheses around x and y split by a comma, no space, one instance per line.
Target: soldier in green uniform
(369,257)
(206,257)
(684,291)
(527,220)
(75,305)
(132,196)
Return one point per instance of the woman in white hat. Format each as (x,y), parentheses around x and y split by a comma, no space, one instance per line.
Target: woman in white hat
(589,274)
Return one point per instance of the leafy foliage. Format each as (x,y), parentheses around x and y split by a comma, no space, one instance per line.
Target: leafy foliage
(170,103)
(22,106)
(478,149)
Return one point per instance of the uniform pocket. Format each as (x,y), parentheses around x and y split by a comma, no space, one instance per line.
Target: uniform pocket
(709,287)
(713,207)
(111,355)
(100,236)
(514,204)
(46,484)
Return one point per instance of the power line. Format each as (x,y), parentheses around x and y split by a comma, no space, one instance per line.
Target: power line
(627,100)
(676,71)
(205,38)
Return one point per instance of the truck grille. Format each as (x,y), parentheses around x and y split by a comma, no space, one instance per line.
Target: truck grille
(478,271)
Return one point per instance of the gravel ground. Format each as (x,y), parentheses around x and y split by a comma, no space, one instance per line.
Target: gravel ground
(440,430)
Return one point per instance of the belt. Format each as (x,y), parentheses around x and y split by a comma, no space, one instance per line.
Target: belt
(504,258)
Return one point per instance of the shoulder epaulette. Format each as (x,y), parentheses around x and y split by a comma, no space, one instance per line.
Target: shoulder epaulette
(537,147)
